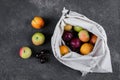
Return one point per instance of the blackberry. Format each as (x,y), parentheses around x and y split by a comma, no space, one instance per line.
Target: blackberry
(42,60)
(43,55)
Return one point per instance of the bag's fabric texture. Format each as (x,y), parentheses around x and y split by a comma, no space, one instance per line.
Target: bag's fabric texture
(98,60)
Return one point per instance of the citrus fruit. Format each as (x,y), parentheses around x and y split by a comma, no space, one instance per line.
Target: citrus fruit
(64,50)
(86,48)
(68,27)
(37,22)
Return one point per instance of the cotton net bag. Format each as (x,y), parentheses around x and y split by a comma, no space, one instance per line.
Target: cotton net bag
(98,60)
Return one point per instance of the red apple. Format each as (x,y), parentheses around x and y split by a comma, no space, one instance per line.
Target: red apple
(84,35)
(25,52)
(93,39)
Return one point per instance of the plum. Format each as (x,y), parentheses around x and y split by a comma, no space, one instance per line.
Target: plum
(75,43)
(67,36)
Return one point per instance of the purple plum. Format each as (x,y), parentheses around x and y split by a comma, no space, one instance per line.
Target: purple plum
(75,43)
(67,36)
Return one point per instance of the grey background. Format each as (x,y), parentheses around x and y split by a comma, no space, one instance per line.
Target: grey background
(16,31)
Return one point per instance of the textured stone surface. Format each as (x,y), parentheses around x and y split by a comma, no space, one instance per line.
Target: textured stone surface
(16,31)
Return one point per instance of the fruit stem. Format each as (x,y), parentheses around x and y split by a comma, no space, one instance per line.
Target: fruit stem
(24,51)
(36,37)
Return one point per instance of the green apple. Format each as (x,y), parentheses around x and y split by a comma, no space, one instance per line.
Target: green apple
(78,28)
(25,52)
(38,38)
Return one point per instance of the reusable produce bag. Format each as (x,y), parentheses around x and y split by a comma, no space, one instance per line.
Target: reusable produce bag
(98,60)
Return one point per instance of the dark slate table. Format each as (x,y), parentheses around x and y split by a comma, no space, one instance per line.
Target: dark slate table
(16,31)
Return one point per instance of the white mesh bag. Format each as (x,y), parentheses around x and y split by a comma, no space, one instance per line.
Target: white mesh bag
(98,60)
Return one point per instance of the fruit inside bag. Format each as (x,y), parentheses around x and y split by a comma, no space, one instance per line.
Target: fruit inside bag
(93,55)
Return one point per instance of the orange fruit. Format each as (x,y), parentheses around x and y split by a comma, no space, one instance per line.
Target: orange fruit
(93,39)
(37,22)
(64,50)
(86,48)
(68,27)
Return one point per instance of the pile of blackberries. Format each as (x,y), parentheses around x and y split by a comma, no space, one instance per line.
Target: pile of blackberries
(42,55)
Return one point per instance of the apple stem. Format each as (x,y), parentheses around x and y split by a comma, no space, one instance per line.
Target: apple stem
(36,37)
